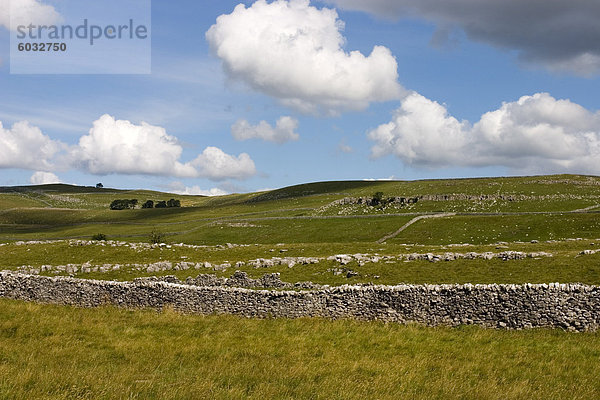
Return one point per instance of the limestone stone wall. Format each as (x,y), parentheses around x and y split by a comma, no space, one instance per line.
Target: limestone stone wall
(567,306)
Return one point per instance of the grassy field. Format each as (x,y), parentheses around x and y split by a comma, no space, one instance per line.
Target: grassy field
(52,352)
(304,214)
(529,214)
(565,265)
(481,229)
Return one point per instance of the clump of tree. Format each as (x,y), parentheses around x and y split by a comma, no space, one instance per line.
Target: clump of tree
(123,204)
(173,203)
(130,204)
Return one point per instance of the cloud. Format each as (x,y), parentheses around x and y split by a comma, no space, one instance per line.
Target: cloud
(180,188)
(118,146)
(25,12)
(345,148)
(25,146)
(294,52)
(283,131)
(42,178)
(217,165)
(557,34)
(390,178)
(121,147)
(534,134)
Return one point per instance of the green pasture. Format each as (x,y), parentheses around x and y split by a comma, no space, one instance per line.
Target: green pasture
(52,352)
(62,352)
(565,265)
(300,220)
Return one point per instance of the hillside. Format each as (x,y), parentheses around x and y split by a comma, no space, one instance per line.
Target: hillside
(311,212)
(558,215)
(541,229)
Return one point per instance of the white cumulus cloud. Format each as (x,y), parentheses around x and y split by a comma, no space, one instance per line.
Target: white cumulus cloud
(284,130)
(534,134)
(115,146)
(390,178)
(25,12)
(180,188)
(42,178)
(217,165)
(119,146)
(25,146)
(294,52)
(122,147)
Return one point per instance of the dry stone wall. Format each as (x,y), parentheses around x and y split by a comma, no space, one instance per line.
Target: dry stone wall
(567,306)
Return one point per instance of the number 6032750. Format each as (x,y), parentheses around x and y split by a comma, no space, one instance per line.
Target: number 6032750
(42,47)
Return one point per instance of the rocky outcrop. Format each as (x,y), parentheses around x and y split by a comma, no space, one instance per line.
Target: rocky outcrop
(370,201)
(405,200)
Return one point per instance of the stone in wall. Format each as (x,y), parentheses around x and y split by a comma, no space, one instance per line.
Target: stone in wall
(566,306)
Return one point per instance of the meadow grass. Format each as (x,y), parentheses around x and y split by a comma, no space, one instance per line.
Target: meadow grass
(216,230)
(528,185)
(565,265)
(63,211)
(62,352)
(587,271)
(481,229)
(272,227)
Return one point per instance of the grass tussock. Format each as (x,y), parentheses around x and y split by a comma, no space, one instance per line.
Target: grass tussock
(51,352)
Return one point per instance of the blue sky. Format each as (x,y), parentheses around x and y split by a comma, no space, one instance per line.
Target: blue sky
(414,108)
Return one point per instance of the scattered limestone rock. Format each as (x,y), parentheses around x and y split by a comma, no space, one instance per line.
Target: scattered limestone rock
(242,280)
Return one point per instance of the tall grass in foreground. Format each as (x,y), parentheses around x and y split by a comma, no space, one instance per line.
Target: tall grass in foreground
(54,352)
